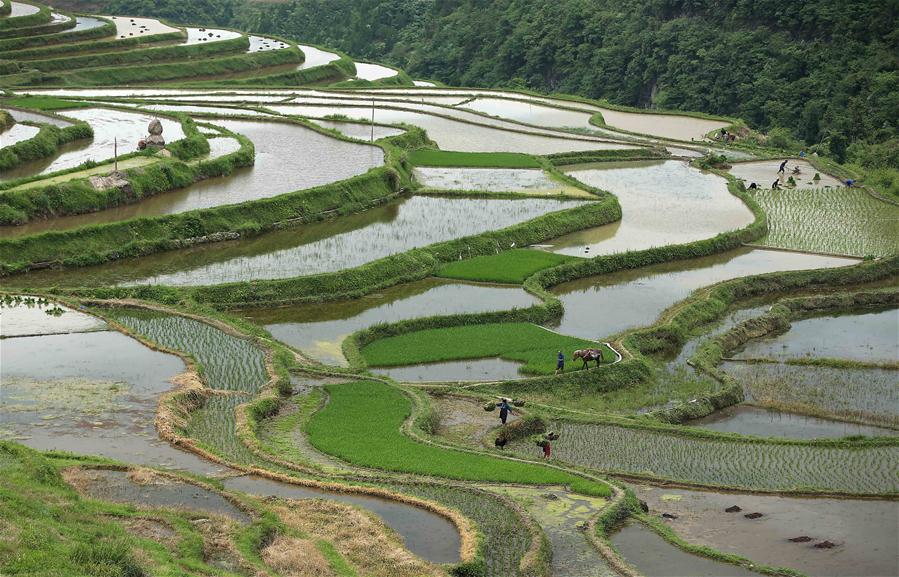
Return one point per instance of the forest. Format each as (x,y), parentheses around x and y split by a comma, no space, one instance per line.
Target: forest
(821,74)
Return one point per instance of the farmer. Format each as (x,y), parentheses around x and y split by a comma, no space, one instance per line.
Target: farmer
(560,363)
(783,167)
(753,186)
(849,183)
(547,449)
(776,185)
(504,409)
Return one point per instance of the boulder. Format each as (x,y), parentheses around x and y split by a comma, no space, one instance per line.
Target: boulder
(112,180)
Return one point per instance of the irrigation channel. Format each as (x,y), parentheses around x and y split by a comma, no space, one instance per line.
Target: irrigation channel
(249,329)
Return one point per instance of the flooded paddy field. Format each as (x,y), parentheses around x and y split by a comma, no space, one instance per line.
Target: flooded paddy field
(760,422)
(36,117)
(662,202)
(206,35)
(608,304)
(655,557)
(17,133)
(764,172)
(127,26)
(870,395)
(199,109)
(289,157)
(319,329)
(360,131)
(108,124)
(671,126)
(632,451)
(469,370)
(865,532)
(22,9)
(25,316)
(315,57)
(329,246)
(367,71)
(522,180)
(530,113)
(869,337)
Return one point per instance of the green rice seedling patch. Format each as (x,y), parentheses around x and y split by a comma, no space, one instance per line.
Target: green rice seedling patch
(227,362)
(451,159)
(762,466)
(530,344)
(833,220)
(362,424)
(45,103)
(214,427)
(506,538)
(511,266)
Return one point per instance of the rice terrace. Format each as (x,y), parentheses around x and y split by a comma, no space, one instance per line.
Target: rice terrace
(408,289)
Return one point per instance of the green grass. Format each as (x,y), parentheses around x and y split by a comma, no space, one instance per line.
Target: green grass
(442,158)
(530,344)
(511,266)
(361,424)
(46,103)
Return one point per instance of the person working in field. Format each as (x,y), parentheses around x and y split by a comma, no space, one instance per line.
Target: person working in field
(504,409)
(776,185)
(783,167)
(560,363)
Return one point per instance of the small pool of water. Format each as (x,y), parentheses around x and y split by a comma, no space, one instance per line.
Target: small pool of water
(604,305)
(655,557)
(319,329)
(366,71)
(454,371)
(316,57)
(662,203)
(759,422)
(869,337)
(119,487)
(108,124)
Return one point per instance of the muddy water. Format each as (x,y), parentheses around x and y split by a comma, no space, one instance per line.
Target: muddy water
(206,35)
(289,157)
(320,247)
(222,146)
(866,532)
(530,113)
(29,116)
(662,202)
(867,337)
(533,181)
(764,172)
(655,557)
(31,319)
(608,304)
(128,127)
(160,491)
(316,57)
(426,534)
(319,329)
(359,130)
(453,135)
(127,26)
(871,395)
(759,422)
(455,371)
(366,71)
(61,392)
(17,133)
(662,125)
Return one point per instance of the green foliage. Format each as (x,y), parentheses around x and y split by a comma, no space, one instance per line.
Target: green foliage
(524,342)
(45,143)
(14,25)
(45,103)
(361,424)
(78,40)
(511,266)
(432,157)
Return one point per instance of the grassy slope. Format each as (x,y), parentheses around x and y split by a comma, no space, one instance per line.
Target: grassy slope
(511,266)
(525,342)
(361,424)
(442,158)
(46,103)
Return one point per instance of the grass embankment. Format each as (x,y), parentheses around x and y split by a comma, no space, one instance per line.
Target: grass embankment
(450,159)
(79,41)
(362,424)
(530,344)
(18,25)
(44,103)
(509,267)
(610,155)
(142,56)
(44,144)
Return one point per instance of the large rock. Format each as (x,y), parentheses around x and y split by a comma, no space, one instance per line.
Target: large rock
(155,129)
(112,180)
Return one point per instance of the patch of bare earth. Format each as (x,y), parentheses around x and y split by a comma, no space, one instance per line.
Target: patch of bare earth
(362,539)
